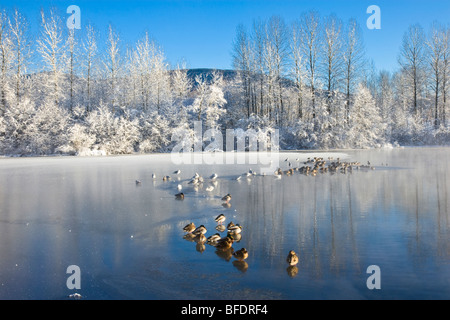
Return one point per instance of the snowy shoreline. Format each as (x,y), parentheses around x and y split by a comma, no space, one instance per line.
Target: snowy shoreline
(284,151)
(281,152)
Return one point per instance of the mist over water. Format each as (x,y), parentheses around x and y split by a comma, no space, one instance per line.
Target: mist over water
(128,240)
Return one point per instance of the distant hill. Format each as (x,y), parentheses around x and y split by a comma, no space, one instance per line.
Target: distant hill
(228,75)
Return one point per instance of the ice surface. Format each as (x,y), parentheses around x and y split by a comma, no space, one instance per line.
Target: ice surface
(127,238)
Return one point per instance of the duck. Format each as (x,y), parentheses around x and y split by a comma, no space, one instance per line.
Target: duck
(225,243)
(226,198)
(241,254)
(166,178)
(228,237)
(214,238)
(153,176)
(193,181)
(292,258)
(75,296)
(220,218)
(177,172)
(179,196)
(213,176)
(230,224)
(189,228)
(235,229)
(201,229)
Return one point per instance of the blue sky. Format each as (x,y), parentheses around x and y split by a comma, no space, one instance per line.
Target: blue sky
(200,32)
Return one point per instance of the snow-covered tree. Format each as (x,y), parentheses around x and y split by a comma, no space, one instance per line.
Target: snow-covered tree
(18,125)
(242,59)
(160,91)
(113,67)
(21,42)
(72,62)
(277,53)
(80,141)
(34,131)
(412,60)
(209,103)
(113,134)
(155,132)
(353,60)
(51,46)
(297,66)
(257,48)
(181,86)
(436,43)
(201,91)
(49,129)
(311,44)
(6,57)
(385,101)
(140,68)
(89,64)
(214,106)
(445,73)
(332,62)
(366,124)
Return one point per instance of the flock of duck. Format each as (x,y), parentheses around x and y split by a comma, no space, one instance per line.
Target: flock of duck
(313,166)
(224,244)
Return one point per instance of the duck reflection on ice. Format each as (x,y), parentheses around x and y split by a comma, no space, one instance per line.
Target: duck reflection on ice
(292,271)
(200,247)
(240,262)
(220,228)
(189,237)
(241,265)
(200,238)
(225,254)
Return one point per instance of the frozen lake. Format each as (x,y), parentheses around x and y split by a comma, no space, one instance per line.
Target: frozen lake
(128,242)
